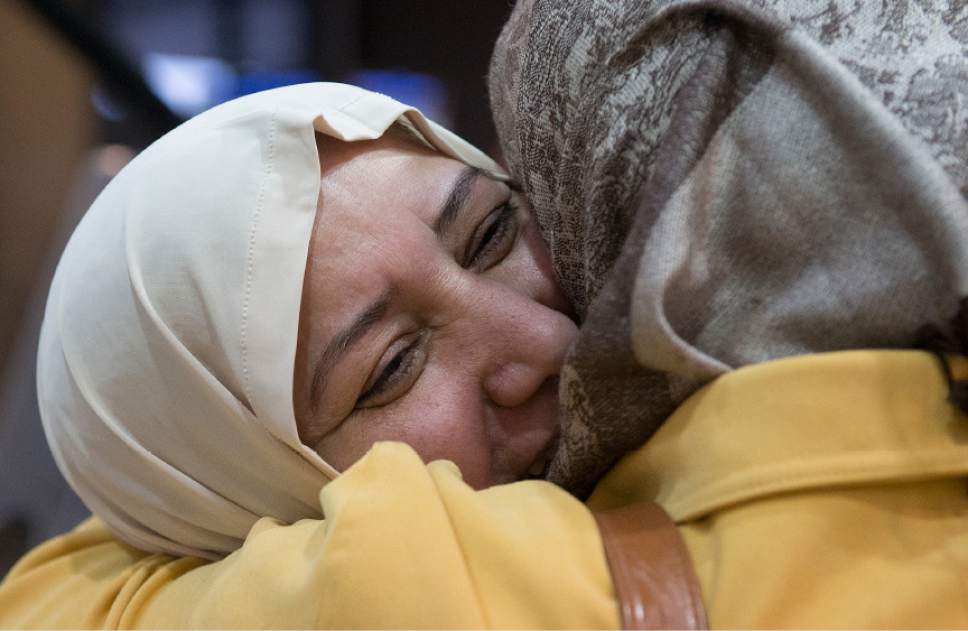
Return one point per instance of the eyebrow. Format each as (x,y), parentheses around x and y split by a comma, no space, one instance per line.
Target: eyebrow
(346,338)
(460,192)
(450,210)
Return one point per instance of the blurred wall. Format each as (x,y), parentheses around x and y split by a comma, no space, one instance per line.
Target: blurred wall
(451,39)
(46,124)
(46,127)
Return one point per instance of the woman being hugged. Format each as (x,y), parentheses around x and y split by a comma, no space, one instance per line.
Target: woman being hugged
(752,229)
(257,299)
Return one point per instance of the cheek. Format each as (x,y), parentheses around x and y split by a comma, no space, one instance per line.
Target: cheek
(538,251)
(529,271)
(441,418)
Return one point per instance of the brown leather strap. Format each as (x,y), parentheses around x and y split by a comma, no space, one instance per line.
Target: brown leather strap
(653,574)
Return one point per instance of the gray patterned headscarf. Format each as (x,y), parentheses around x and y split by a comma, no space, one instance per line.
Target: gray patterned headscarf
(725,183)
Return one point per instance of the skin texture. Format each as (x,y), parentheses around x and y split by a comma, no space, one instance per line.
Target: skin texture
(474,322)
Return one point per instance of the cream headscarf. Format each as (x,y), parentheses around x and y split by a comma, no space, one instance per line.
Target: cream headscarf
(165,367)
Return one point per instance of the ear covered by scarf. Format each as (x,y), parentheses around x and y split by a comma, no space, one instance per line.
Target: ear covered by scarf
(166,357)
(724,183)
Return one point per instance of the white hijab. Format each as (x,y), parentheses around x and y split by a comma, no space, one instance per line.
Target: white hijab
(165,368)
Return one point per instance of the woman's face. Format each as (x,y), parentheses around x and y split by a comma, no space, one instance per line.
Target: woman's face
(430,315)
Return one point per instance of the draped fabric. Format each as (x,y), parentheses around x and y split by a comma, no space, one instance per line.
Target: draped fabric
(725,183)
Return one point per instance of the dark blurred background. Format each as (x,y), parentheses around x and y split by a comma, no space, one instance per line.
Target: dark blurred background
(89,83)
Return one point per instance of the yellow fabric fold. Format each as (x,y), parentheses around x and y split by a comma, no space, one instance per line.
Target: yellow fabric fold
(827,491)
(833,419)
(405,545)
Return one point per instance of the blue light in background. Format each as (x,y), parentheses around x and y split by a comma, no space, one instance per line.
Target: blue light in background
(424,92)
(266,80)
(190,84)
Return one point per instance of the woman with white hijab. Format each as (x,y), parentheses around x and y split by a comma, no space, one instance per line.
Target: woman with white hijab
(250,305)
(168,363)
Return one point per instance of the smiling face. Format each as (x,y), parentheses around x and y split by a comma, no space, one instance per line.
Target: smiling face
(430,315)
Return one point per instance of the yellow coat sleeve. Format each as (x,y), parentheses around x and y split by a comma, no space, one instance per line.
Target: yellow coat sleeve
(404,545)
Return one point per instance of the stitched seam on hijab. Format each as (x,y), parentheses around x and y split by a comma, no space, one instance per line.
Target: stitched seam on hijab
(250,256)
(343,108)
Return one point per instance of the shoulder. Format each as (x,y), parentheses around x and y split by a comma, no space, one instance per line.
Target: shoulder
(84,578)
(404,544)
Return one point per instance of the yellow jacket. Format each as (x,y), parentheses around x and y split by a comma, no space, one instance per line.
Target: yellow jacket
(820,491)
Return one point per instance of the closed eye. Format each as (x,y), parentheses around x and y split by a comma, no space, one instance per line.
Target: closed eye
(493,238)
(393,377)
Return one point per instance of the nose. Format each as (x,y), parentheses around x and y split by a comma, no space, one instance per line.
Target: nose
(528,342)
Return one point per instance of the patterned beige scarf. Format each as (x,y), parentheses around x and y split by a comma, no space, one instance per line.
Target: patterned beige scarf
(725,183)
